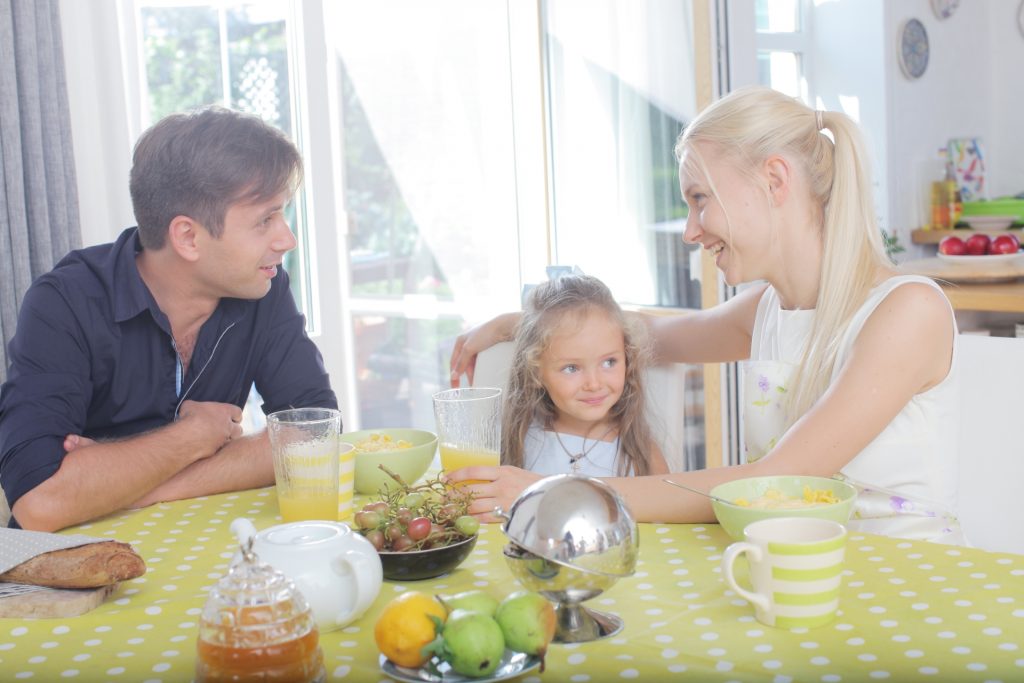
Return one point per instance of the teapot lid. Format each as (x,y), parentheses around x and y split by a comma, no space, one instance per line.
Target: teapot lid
(303,533)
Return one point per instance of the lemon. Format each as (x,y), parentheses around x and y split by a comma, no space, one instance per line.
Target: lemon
(404,627)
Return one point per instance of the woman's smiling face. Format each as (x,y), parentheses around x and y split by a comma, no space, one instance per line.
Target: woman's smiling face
(728,214)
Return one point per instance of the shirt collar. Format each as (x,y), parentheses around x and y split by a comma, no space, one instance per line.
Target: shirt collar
(131,296)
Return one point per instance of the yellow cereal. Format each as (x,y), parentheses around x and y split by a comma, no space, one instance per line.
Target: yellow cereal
(378,443)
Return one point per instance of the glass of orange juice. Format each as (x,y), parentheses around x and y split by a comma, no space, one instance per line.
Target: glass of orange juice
(305,446)
(468,427)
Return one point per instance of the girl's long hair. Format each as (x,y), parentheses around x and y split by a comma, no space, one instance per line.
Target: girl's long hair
(751,124)
(526,400)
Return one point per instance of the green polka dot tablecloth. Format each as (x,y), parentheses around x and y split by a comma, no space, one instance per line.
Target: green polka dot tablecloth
(909,611)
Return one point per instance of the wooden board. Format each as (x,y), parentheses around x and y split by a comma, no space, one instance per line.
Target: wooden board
(966,271)
(54,603)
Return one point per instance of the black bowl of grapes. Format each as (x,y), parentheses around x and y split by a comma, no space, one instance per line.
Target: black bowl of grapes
(421,531)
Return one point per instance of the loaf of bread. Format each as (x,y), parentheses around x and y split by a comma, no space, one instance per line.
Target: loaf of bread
(86,566)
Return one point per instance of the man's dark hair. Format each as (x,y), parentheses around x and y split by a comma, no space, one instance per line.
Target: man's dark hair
(199,163)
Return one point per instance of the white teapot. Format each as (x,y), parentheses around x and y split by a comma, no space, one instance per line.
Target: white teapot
(337,570)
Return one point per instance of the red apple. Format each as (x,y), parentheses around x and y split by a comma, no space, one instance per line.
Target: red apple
(977,245)
(1005,244)
(952,246)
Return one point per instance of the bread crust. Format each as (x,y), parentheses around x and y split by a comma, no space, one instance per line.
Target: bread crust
(85,566)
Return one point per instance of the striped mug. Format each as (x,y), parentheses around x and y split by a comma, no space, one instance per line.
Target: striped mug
(796,566)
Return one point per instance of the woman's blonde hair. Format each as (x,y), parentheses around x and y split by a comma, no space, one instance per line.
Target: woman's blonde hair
(527,401)
(749,125)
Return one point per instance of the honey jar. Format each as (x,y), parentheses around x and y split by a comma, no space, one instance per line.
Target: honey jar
(256,626)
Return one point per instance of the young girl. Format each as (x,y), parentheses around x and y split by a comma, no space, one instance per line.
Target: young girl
(575,402)
(781,195)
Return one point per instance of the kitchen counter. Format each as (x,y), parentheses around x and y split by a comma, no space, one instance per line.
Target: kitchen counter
(1004,297)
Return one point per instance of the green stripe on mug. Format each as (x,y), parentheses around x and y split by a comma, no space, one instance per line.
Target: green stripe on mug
(807,548)
(805,598)
(807,574)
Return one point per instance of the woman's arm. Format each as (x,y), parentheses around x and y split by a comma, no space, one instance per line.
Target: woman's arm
(905,348)
(715,335)
(718,334)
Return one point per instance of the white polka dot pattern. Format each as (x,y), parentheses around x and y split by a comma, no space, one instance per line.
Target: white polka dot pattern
(896,621)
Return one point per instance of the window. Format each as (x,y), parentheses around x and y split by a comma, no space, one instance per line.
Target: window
(782,42)
(233,54)
(453,151)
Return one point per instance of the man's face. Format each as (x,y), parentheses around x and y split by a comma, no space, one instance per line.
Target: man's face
(242,262)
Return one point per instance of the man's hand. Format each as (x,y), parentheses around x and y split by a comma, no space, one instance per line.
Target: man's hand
(73,441)
(216,423)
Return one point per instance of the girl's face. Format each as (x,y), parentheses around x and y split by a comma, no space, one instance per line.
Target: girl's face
(740,241)
(583,369)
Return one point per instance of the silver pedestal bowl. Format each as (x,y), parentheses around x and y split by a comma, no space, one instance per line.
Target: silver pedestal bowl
(572,538)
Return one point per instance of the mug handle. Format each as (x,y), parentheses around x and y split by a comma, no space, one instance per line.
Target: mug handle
(729,559)
(359,567)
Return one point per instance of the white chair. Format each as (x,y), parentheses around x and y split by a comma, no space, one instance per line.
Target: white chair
(665,386)
(991,451)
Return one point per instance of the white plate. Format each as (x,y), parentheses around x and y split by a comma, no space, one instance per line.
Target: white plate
(983,260)
(512,664)
(989,222)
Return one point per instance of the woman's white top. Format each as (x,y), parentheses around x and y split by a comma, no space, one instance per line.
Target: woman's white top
(544,455)
(906,477)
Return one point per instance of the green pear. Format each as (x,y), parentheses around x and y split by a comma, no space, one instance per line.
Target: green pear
(472,601)
(527,621)
(473,643)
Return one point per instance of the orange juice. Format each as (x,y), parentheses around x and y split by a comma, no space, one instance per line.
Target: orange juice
(456,458)
(299,504)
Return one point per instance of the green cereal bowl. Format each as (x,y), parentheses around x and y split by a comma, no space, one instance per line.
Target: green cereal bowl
(735,518)
(408,463)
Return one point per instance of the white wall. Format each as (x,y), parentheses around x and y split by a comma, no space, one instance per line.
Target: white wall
(1007,63)
(971,88)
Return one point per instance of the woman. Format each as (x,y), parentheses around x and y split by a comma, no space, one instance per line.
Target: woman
(850,366)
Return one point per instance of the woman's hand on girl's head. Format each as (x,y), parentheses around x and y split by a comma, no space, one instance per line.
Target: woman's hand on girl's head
(469,344)
(492,487)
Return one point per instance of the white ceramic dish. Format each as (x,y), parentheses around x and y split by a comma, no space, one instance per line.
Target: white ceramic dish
(983,260)
(989,222)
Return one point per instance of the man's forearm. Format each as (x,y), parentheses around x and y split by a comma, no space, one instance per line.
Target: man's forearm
(104,477)
(241,464)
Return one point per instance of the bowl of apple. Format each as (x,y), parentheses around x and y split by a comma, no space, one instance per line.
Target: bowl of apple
(979,249)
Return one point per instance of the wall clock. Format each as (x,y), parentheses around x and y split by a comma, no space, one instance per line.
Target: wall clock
(944,8)
(913,48)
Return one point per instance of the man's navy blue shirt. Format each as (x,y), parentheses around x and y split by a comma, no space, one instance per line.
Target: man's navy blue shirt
(93,355)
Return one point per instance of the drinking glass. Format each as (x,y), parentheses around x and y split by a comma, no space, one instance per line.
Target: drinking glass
(305,446)
(468,427)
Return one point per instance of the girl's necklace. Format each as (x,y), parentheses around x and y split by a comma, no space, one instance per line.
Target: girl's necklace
(574,459)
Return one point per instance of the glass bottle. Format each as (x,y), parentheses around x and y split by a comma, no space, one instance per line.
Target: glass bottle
(953,198)
(256,626)
(940,201)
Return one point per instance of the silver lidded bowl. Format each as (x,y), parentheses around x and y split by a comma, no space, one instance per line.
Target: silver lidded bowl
(572,537)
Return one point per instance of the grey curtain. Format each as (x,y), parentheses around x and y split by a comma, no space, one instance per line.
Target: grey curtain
(38,197)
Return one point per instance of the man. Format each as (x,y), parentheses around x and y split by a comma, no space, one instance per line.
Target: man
(132,360)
